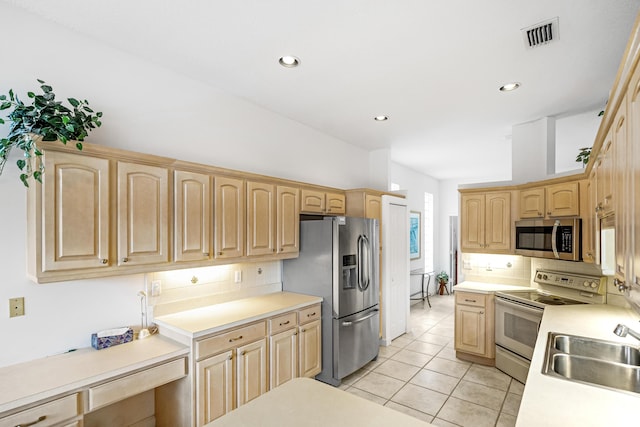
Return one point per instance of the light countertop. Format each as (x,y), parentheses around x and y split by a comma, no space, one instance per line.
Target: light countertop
(29,382)
(307,402)
(487,288)
(203,321)
(549,401)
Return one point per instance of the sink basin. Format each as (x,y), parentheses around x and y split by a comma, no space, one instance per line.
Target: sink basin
(593,371)
(603,350)
(591,361)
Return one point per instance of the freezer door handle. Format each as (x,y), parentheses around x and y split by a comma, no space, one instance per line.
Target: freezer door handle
(362,319)
(364,262)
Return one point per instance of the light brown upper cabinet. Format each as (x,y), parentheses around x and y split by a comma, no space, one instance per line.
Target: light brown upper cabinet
(551,201)
(485,220)
(322,202)
(273,215)
(634,174)
(229,208)
(261,219)
(75,212)
(364,203)
(623,193)
(288,220)
(193,221)
(604,171)
(143,208)
(563,199)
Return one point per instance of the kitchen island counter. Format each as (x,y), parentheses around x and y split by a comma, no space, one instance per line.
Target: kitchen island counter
(307,402)
(551,401)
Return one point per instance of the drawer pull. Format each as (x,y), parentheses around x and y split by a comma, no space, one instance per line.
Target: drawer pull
(239,337)
(469,300)
(303,330)
(243,353)
(32,423)
(125,259)
(311,314)
(104,260)
(285,323)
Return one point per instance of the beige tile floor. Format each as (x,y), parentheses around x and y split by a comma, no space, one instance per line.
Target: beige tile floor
(418,374)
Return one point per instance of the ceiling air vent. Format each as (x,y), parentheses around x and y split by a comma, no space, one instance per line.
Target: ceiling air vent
(541,34)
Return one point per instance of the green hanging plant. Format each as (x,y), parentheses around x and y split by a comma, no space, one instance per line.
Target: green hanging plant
(583,156)
(45,119)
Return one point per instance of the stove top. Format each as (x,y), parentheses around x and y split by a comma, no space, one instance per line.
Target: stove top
(558,288)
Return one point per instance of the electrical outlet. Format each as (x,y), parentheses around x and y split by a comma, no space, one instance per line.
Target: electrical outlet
(238,276)
(16,307)
(156,288)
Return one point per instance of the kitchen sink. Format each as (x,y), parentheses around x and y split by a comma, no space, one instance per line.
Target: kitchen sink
(592,361)
(599,349)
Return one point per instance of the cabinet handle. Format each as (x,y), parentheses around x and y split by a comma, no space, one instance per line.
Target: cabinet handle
(104,261)
(295,333)
(482,312)
(312,314)
(285,323)
(303,330)
(239,337)
(281,249)
(219,253)
(243,353)
(549,213)
(205,254)
(42,418)
(231,357)
(469,300)
(125,259)
(539,213)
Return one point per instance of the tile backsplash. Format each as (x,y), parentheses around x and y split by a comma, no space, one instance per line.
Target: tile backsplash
(197,287)
(489,268)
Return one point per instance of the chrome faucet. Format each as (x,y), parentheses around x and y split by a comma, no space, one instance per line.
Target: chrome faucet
(622,331)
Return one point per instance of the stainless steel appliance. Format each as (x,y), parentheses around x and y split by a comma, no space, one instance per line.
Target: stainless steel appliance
(339,261)
(549,238)
(519,313)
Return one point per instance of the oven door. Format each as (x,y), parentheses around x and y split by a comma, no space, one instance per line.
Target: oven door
(517,326)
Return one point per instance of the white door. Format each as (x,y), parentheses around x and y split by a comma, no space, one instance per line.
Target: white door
(397,267)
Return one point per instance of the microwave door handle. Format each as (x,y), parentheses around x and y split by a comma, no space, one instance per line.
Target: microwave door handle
(554,244)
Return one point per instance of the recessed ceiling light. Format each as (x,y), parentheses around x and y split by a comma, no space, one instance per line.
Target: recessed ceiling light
(289,61)
(381,118)
(509,87)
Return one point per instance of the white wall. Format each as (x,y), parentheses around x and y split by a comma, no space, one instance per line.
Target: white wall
(146,109)
(572,134)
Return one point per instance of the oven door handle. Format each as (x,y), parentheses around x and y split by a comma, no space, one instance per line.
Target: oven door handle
(524,307)
(554,244)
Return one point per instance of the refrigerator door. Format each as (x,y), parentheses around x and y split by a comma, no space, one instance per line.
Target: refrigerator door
(355,341)
(357,287)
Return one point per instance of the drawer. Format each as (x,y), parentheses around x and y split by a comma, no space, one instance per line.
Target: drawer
(137,383)
(282,323)
(51,413)
(231,339)
(470,298)
(309,314)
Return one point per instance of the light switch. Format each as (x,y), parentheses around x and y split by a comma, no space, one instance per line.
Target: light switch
(238,276)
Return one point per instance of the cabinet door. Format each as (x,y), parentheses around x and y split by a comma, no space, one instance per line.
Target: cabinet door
(214,387)
(288,220)
(605,169)
(283,357)
(192,216)
(373,207)
(75,209)
(623,195)
(143,207)
(589,252)
(472,221)
(229,217)
(310,349)
(261,221)
(634,175)
(470,329)
(336,203)
(498,221)
(312,201)
(563,200)
(531,203)
(251,371)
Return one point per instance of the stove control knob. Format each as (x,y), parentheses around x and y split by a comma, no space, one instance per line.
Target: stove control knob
(544,276)
(539,276)
(594,285)
(585,284)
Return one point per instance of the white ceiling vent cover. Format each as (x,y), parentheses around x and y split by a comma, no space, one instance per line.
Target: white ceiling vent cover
(541,34)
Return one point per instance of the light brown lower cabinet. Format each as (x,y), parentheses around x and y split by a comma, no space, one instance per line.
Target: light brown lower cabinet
(474,327)
(310,349)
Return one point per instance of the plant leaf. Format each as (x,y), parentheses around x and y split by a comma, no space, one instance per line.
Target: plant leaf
(5,105)
(23,178)
(21,164)
(79,146)
(73,102)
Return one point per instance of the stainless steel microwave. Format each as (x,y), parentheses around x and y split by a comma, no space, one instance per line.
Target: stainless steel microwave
(549,238)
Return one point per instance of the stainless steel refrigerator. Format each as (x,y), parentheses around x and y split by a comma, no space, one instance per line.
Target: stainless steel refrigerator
(338,261)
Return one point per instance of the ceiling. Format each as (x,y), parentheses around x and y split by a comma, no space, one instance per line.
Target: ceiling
(433,67)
